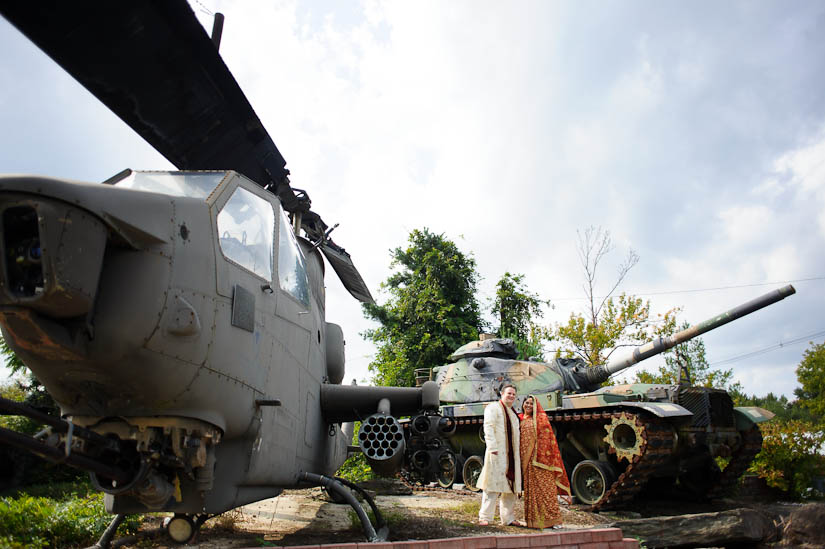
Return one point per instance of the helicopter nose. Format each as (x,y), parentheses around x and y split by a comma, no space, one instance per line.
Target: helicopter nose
(52,257)
(52,254)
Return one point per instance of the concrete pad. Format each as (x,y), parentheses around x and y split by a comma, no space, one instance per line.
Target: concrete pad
(291,512)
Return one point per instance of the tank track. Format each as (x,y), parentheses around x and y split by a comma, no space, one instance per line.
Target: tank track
(740,461)
(405,477)
(656,448)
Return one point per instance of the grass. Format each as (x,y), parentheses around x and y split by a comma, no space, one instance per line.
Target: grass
(470,508)
(56,515)
(465,514)
(392,518)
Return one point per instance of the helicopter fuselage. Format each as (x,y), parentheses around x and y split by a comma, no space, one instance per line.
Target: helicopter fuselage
(176,311)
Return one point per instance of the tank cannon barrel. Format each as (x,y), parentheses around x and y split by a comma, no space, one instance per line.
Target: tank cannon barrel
(662,344)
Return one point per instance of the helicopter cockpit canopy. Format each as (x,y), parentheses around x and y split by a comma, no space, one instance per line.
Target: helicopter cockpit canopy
(191,184)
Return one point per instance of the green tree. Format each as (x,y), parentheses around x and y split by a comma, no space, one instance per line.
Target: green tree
(432,309)
(608,323)
(517,310)
(19,466)
(692,354)
(13,362)
(793,448)
(515,306)
(784,409)
(811,375)
(34,393)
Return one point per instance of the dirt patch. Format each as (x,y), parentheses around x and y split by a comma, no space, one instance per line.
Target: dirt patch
(308,517)
(299,517)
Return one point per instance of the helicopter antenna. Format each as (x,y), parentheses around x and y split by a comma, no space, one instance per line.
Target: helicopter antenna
(217,30)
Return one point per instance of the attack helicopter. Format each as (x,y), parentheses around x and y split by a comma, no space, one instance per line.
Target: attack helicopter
(178,318)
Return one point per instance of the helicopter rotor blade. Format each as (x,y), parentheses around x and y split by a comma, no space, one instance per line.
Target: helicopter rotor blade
(346,271)
(153,65)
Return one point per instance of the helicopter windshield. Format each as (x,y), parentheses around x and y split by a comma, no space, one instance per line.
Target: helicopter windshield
(191,184)
(246,225)
(292,273)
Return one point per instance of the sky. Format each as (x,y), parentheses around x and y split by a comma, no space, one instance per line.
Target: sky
(694,132)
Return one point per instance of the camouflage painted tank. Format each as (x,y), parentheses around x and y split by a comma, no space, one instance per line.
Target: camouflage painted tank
(615,440)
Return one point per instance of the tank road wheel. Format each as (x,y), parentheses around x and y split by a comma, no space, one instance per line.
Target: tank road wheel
(447,470)
(471,472)
(591,480)
(701,479)
(625,437)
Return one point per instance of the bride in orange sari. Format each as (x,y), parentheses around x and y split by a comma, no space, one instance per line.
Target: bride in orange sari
(542,471)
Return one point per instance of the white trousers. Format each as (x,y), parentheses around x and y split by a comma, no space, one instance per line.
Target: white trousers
(506,506)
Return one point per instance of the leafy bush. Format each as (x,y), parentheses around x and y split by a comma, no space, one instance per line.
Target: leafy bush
(28,521)
(791,457)
(356,468)
(18,467)
(7,542)
(59,491)
(13,390)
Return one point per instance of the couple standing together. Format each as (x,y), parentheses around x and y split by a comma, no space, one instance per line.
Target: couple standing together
(520,453)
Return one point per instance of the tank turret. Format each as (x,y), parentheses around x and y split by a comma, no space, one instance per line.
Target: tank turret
(650,435)
(482,366)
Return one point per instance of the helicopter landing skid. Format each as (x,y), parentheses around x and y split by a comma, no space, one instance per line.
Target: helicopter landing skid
(338,486)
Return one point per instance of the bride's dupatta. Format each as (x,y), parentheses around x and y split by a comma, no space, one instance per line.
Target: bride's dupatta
(542,471)
(546,454)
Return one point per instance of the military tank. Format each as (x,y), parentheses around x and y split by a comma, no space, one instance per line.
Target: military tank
(616,441)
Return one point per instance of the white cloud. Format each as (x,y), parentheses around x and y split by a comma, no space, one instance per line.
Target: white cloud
(771,188)
(513,125)
(640,91)
(746,224)
(804,169)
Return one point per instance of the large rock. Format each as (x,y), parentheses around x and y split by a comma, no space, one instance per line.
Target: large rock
(805,527)
(737,526)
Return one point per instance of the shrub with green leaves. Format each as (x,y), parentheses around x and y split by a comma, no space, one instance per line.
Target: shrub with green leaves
(791,455)
(28,521)
(356,468)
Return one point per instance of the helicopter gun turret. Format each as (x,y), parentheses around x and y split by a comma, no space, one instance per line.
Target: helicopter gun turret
(615,440)
(381,437)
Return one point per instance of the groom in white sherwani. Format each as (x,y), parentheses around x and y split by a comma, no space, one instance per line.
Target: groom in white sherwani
(501,474)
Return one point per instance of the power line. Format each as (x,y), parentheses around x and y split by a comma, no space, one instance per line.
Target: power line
(203,8)
(773,347)
(697,290)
